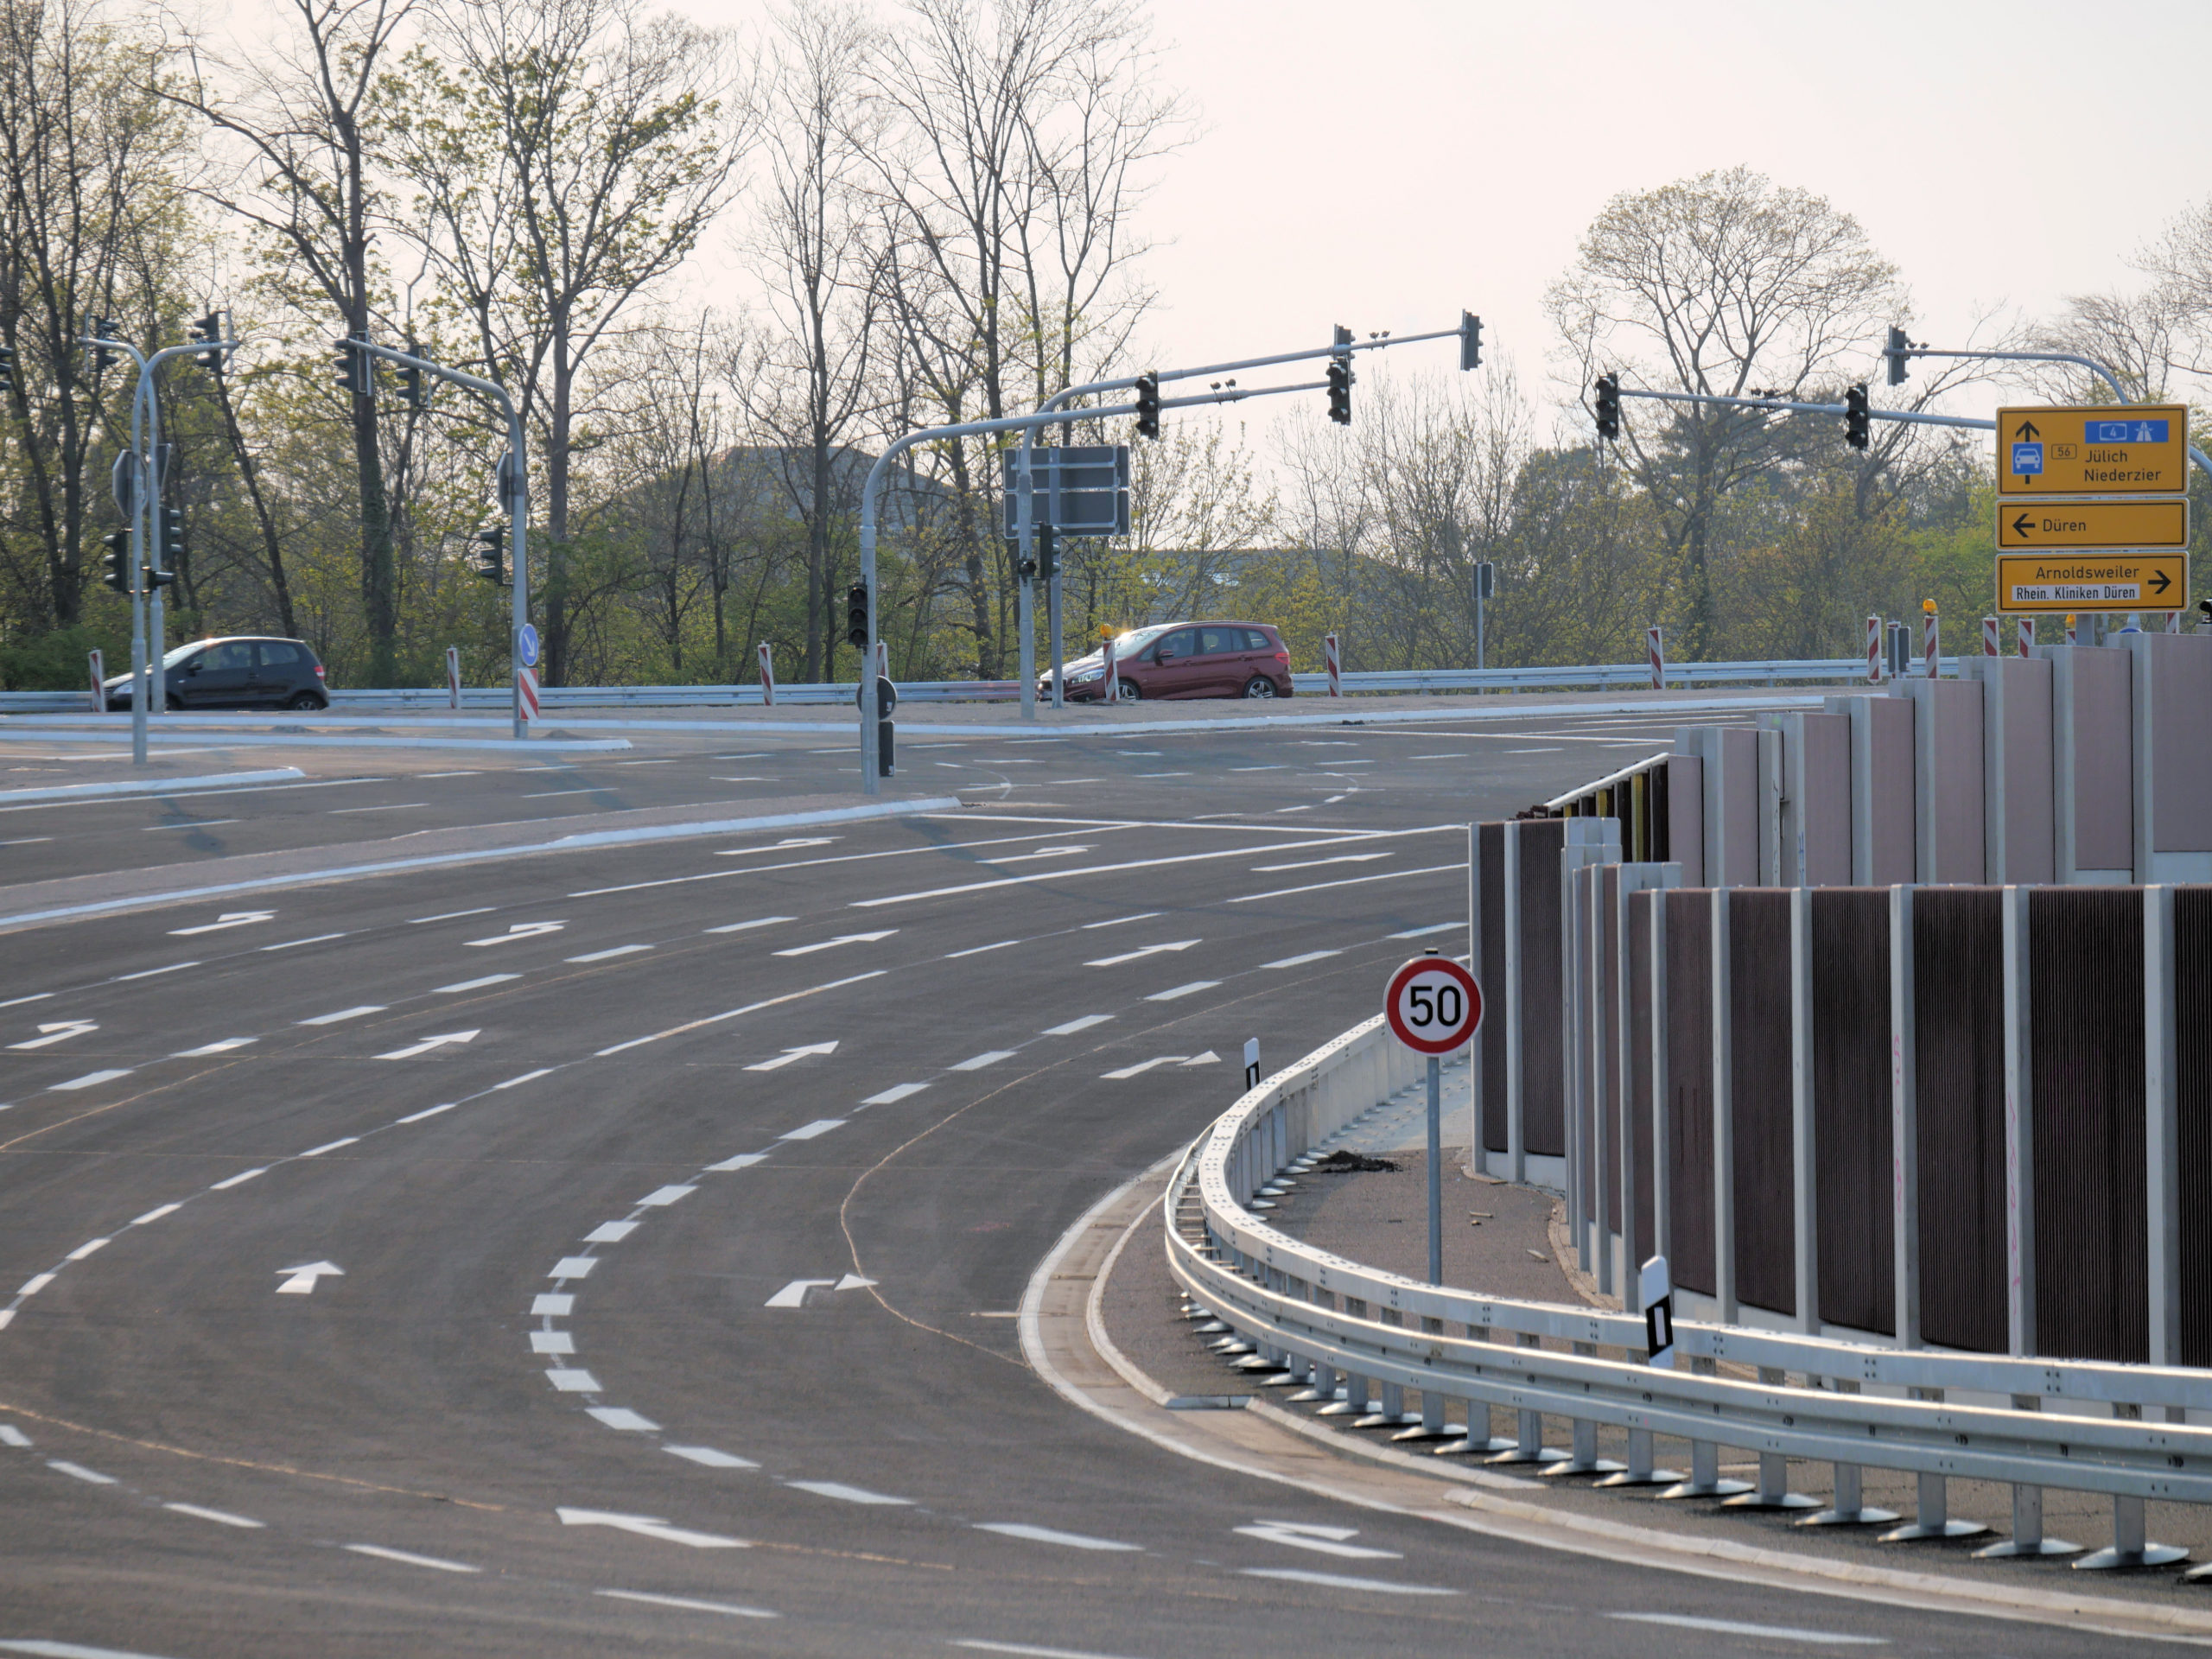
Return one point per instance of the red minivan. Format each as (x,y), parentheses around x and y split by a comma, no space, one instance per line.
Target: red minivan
(1185,660)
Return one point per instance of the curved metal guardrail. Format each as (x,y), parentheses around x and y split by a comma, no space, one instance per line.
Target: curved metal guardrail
(1852,1404)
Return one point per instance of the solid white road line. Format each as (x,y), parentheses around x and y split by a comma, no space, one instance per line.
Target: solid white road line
(690,1605)
(222,1516)
(1074,1026)
(1769,1632)
(1341,1581)
(1170,995)
(1349,881)
(1316,863)
(1300,962)
(845,1494)
(965,887)
(1047,1535)
(407,1557)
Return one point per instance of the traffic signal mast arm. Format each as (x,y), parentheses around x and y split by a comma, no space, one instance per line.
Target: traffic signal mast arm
(1786,406)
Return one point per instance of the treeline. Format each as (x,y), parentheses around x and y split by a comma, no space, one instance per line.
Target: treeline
(903,216)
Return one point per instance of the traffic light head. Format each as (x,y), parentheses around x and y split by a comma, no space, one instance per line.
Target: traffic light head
(1470,341)
(1900,365)
(1048,553)
(856,615)
(7,369)
(115,568)
(1340,390)
(206,332)
(1609,406)
(1858,425)
(490,556)
(169,546)
(1148,405)
(101,328)
(353,367)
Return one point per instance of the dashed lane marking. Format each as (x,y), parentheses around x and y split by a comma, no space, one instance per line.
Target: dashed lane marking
(710,1457)
(78,1472)
(893,1095)
(223,1045)
(344,1014)
(408,1558)
(1344,1581)
(473,985)
(845,1494)
(1300,961)
(689,1604)
(1173,992)
(648,1526)
(1073,1026)
(1423,933)
(1048,1536)
(221,1517)
(91,1079)
(978,1062)
(608,955)
(821,1125)
(977,1645)
(1766,1632)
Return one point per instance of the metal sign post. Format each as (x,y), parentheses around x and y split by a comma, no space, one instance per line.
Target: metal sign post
(1434,1007)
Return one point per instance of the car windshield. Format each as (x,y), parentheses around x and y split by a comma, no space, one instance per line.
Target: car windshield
(1126,645)
(183,651)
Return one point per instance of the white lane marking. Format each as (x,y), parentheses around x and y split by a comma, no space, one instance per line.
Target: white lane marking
(552,1342)
(1047,1535)
(743,927)
(35,1283)
(1423,933)
(552,1304)
(1455,755)
(1141,1067)
(408,1558)
(343,1014)
(1316,863)
(690,1605)
(979,949)
(1139,954)
(89,1079)
(156,1214)
(303,1280)
(1300,961)
(90,1246)
(223,1517)
(395,807)
(1327,1540)
(516,930)
(443,1040)
(77,1471)
(548,794)
(853,1282)
(608,955)
(290,944)
(451,915)
(1340,1581)
(238,1179)
(1171,994)
(610,1232)
(1533,751)
(151,972)
(743,1160)
(1349,881)
(750,1007)
(1115,921)
(845,1494)
(17,1001)
(222,1047)
(976,1063)
(70,1649)
(527,1077)
(10,1435)
(821,1125)
(1022,1648)
(26,841)
(1165,775)
(197,823)
(666,1195)
(473,985)
(328,1145)
(966,887)
(648,1526)
(228,920)
(784,846)
(1770,1632)
(1274,769)
(566,1380)
(895,1094)
(573,1266)
(794,1294)
(710,1457)
(837,858)
(453,774)
(1293,809)
(60,1031)
(1207,1058)
(791,1054)
(831,944)
(1074,1026)
(623,1418)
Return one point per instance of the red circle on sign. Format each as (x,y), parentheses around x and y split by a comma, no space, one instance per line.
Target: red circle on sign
(1433,1005)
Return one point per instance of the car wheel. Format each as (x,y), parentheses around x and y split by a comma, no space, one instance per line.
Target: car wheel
(1130,692)
(304,701)
(1259,686)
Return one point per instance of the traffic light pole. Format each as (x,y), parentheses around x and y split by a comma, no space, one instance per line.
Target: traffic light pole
(516,500)
(150,488)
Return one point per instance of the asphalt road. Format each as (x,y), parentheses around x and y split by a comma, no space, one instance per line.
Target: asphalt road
(614,1250)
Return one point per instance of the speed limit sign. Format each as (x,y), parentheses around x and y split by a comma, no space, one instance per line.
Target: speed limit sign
(1433,1004)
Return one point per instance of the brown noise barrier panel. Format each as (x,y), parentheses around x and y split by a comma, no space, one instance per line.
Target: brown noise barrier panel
(1605,1097)
(1853,1222)
(2085,967)
(1638,1081)
(1958,971)
(1543,1113)
(2193,1045)
(1759,1087)
(1689,1087)
(1489,851)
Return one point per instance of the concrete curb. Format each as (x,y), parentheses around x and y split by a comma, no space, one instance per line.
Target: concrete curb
(147,786)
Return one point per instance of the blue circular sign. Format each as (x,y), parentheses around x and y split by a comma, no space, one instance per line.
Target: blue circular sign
(526,645)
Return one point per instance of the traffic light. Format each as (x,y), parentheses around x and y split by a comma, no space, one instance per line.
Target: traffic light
(169,546)
(411,380)
(1340,392)
(115,568)
(1470,341)
(1858,425)
(1900,365)
(1048,553)
(353,366)
(101,328)
(206,332)
(856,615)
(491,559)
(1148,405)
(6,369)
(1609,406)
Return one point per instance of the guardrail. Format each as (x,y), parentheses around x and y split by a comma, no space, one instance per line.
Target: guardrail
(1854,1404)
(1390,682)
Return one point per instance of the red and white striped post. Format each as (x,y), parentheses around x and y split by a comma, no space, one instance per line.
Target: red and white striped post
(1989,636)
(2027,633)
(1113,679)
(2070,627)
(453,676)
(1873,650)
(1335,665)
(2173,621)
(767,673)
(526,684)
(1655,645)
(1930,641)
(883,660)
(99,664)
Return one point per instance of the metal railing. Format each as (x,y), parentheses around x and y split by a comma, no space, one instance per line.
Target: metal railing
(1852,1404)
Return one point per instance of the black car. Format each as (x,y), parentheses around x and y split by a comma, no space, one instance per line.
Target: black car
(236,671)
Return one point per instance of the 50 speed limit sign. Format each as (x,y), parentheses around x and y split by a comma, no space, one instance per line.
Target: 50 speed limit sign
(1433,1005)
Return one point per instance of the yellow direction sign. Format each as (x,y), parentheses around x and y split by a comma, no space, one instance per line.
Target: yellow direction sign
(2027,526)
(2119,449)
(2095,582)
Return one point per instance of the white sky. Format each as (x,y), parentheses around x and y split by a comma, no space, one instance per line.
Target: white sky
(1382,164)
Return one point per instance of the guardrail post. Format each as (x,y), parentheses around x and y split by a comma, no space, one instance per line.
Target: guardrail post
(1705,1457)
(2027,1539)
(1772,1491)
(1529,1426)
(1932,1515)
(2129,1547)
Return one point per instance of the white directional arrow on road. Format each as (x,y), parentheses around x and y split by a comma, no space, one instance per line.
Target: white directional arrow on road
(791,1054)
(1328,1541)
(60,1032)
(1136,955)
(428,1043)
(302,1281)
(648,1526)
(1142,1066)
(228,919)
(843,938)
(521,930)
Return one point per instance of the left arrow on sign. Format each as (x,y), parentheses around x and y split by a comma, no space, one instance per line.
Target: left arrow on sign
(428,1043)
(648,1526)
(300,1282)
(60,1032)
